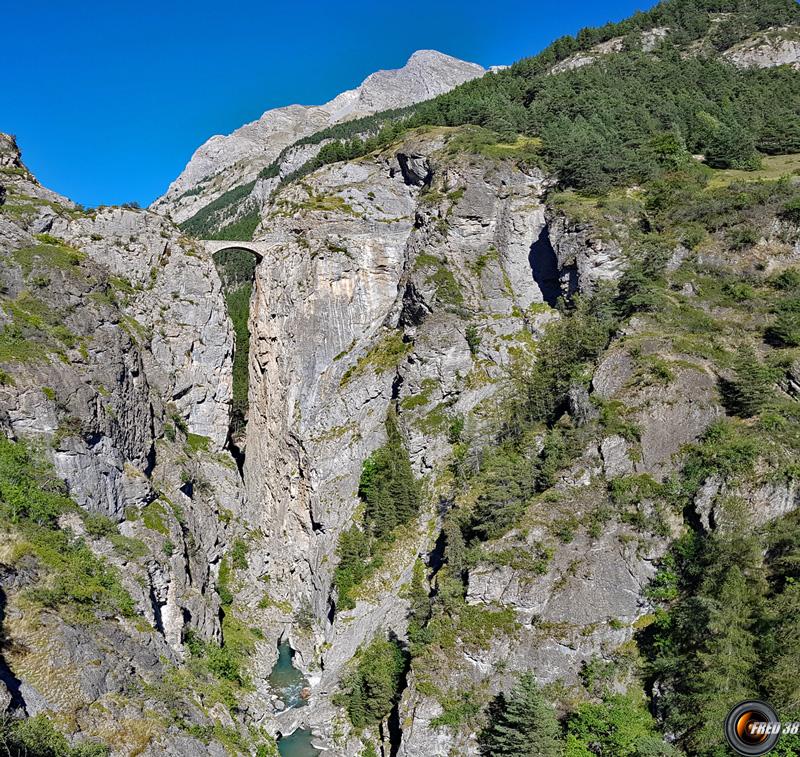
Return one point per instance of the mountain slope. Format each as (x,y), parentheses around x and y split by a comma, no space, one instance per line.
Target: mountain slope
(606,105)
(225,161)
(502,446)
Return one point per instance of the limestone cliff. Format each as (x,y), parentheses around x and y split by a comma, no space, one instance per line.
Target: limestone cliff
(116,366)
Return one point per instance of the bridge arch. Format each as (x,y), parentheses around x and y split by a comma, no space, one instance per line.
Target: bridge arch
(258,249)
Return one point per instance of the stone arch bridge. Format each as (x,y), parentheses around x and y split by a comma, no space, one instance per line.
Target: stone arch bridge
(259,249)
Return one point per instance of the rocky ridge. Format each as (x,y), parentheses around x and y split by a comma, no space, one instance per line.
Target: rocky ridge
(767,49)
(224,162)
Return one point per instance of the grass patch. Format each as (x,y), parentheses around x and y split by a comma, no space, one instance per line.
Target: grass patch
(383,356)
(153,518)
(54,254)
(198,443)
(480,141)
(772,167)
(34,330)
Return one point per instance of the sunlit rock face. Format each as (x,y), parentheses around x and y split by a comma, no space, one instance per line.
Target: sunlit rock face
(228,161)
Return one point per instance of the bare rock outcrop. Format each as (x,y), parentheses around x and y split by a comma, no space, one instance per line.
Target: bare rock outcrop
(767,49)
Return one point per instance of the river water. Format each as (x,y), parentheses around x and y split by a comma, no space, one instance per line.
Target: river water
(287,682)
(297,744)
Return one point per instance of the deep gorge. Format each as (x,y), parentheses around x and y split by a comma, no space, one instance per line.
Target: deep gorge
(500,418)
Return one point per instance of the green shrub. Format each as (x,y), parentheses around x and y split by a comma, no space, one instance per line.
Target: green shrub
(473,338)
(37,737)
(791,211)
(383,356)
(198,443)
(153,517)
(752,387)
(391,498)
(448,290)
(238,554)
(565,352)
(354,552)
(785,331)
(621,725)
(31,499)
(387,485)
(369,692)
(787,280)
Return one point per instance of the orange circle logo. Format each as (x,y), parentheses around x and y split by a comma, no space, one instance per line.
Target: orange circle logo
(752,728)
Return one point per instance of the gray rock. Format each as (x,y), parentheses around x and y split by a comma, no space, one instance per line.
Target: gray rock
(228,161)
(616,460)
(580,405)
(331,287)
(721,507)
(767,49)
(648,41)
(415,169)
(584,258)
(612,374)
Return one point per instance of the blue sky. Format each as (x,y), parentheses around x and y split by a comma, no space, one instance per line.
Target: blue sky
(109,99)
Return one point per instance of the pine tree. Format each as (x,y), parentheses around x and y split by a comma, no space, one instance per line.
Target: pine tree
(726,665)
(732,146)
(751,388)
(780,677)
(419,610)
(455,549)
(369,692)
(524,725)
(388,486)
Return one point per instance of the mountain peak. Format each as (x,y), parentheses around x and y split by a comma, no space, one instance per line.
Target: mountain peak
(430,55)
(234,159)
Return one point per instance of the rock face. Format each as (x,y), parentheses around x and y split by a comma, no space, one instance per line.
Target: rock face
(228,161)
(394,250)
(177,302)
(778,46)
(648,40)
(116,366)
(582,257)
(773,47)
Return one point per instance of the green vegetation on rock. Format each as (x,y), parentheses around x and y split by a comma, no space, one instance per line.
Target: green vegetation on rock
(37,737)
(237,270)
(391,499)
(522,722)
(214,220)
(369,691)
(73,579)
(383,356)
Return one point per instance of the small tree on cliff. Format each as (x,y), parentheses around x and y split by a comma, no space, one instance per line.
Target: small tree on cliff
(524,725)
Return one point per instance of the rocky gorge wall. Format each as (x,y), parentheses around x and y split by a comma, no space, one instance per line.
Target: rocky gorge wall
(410,284)
(378,271)
(116,352)
(406,282)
